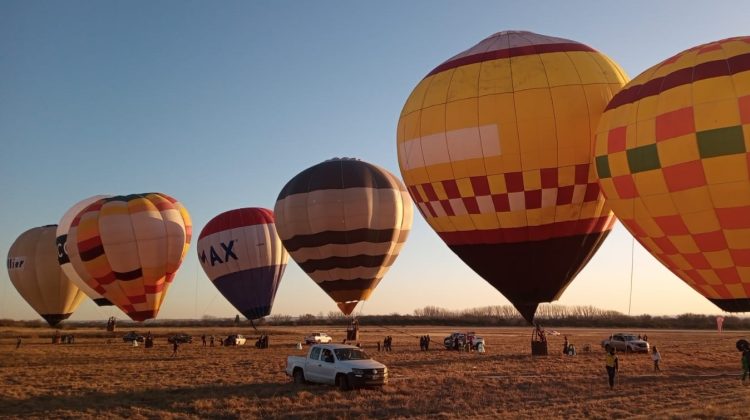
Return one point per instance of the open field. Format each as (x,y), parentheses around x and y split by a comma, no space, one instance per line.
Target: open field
(94,378)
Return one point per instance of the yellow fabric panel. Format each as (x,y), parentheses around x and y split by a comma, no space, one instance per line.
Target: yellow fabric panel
(691,200)
(647,108)
(709,276)
(500,110)
(440,172)
(646,223)
(650,183)
(464,187)
(560,69)
(416,176)
(511,219)
(512,162)
(744,273)
(495,77)
(528,73)
(673,99)
(462,222)
(712,90)
(464,83)
(114,208)
(659,205)
(416,99)
(650,245)
(461,114)
(494,165)
(733,194)
(737,238)
(701,221)
(497,184)
(726,169)
(680,262)
(566,175)
(439,190)
(468,167)
(588,68)
(684,243)
(432,120)
(618,164)
(719,259)
(437,92)
(613,73)
(441,224)
(589,209)
(597,98)
(736,290)
(570,109)
(485,221)
(536,125)
(534,217)
(741,82)
(567,156)
(717,114)
(532,180)
(678,150)
(409,126)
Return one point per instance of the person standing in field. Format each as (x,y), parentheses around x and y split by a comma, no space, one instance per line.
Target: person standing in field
(18,342)
(745,363)
(203,339)
(656,357)
(212,341)
(175,346)
(613,366)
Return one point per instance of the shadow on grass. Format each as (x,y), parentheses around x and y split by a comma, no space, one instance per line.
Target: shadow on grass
(174,400)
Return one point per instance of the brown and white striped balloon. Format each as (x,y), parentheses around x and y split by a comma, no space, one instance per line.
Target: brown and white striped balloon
(344,222)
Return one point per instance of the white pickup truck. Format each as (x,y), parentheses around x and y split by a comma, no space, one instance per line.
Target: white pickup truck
(337,364)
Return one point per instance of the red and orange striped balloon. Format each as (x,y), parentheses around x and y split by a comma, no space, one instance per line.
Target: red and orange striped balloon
(130,248)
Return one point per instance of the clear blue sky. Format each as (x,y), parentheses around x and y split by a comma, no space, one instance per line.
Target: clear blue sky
(219,104)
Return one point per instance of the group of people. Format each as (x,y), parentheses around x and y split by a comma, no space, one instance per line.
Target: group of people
(387,344)
(612,363)
(424,342)
(210,339)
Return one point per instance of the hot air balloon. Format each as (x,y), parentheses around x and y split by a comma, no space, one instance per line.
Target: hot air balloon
(344,222)
(494,146)
(130,248)
(672,159)
(242,255)
(34,271)
(62,250)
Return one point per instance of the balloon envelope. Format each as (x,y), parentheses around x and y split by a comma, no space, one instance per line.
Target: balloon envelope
(494,146)
(242,255)
(131,247)
(63,250)
(35,273)
(344,221)
(672,159)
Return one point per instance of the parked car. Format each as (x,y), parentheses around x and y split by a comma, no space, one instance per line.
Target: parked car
(450,341)
(627,342)
(235,340)
(180,338)
(337,364)
(318,338)
(132,336)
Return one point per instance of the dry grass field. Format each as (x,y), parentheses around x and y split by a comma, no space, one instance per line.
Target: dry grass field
(97,378)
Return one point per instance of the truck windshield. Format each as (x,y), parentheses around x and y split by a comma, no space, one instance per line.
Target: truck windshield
(351,354)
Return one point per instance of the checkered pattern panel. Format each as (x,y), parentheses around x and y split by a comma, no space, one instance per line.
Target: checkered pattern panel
(678,175)
(445,198)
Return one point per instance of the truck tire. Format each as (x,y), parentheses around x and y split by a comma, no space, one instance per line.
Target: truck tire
(299,376)
(343,382)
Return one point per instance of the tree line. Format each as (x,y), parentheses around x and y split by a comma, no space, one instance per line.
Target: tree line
(548,315)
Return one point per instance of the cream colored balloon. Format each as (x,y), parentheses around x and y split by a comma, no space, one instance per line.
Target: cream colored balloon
(34,271)
(65,252)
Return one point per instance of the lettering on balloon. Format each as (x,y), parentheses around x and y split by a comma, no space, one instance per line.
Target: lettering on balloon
(214,256)
(16,263)
(62,252)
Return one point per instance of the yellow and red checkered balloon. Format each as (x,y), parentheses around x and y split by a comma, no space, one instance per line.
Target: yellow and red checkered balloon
(672,159)
(495,148)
